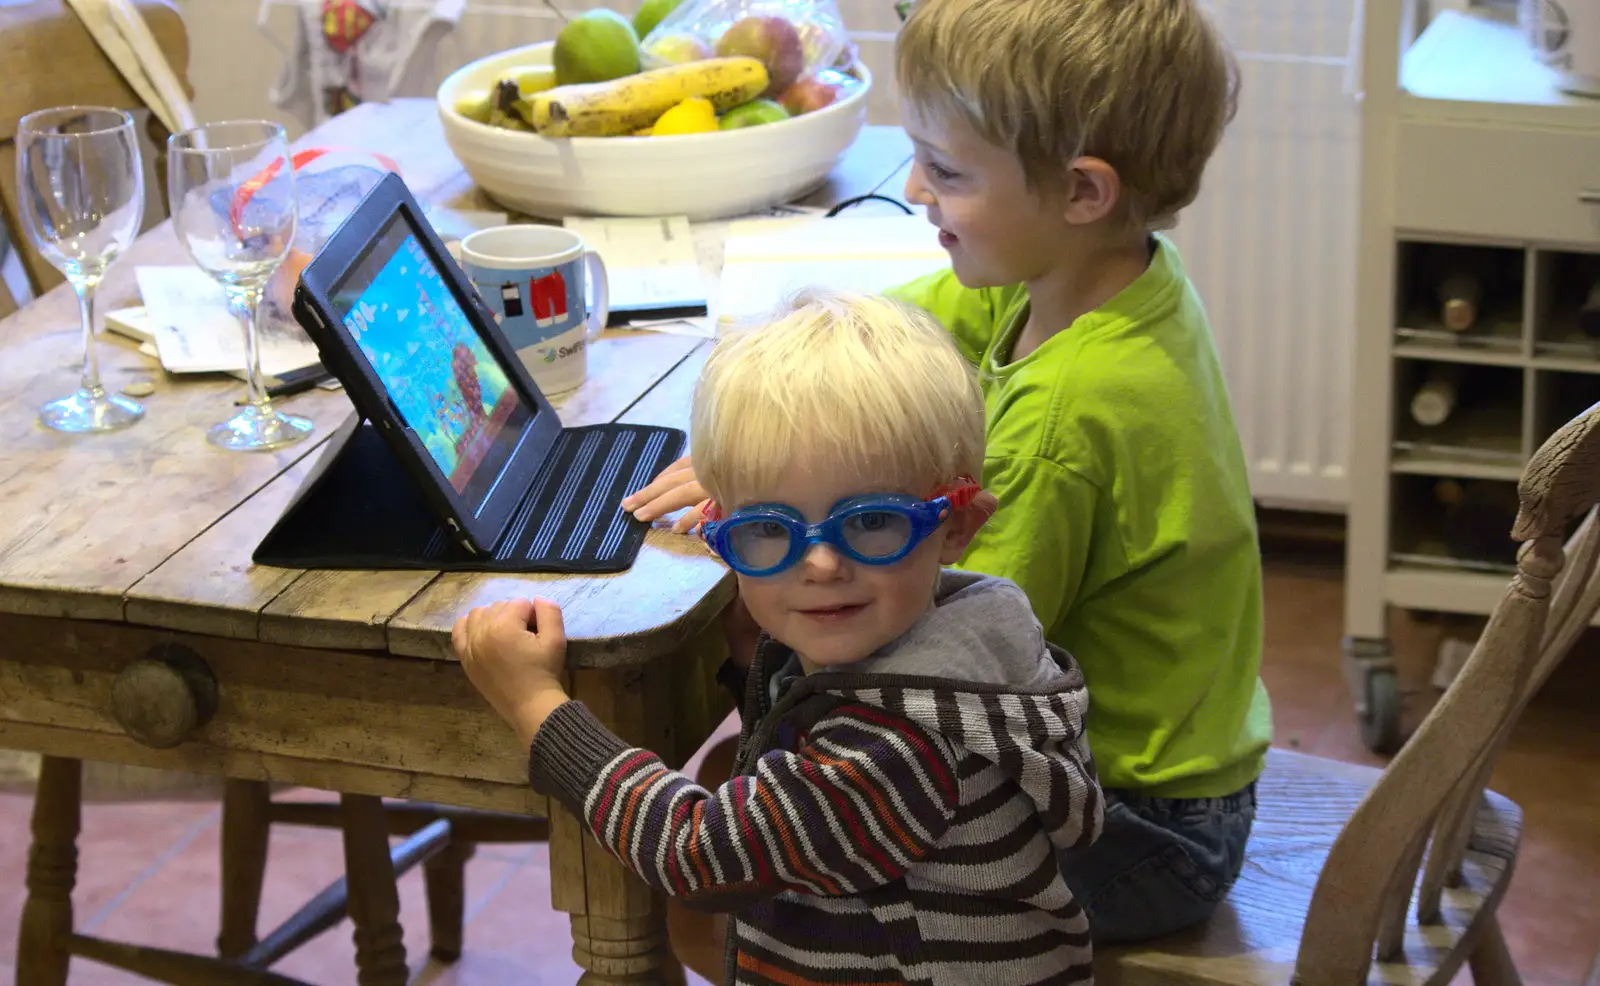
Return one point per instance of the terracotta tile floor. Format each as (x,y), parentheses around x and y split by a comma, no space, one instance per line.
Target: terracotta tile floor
(149,871)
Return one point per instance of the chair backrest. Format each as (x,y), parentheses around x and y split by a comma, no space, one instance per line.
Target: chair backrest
(51,59)
(1434,785)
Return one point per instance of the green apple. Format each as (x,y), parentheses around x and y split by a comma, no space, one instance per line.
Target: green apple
(753,114)
(597,46)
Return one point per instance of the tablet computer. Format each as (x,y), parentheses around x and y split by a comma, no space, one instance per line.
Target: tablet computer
(428,369)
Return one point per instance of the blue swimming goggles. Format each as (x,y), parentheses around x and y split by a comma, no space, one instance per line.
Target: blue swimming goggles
(873,529)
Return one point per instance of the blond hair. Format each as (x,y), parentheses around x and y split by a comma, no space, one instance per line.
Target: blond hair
(861,384)
(1145,85)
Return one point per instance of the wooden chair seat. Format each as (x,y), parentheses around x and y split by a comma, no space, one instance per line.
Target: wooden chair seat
(1253,938)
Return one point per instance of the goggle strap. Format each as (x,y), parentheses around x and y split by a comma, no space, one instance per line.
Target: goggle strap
(961,492)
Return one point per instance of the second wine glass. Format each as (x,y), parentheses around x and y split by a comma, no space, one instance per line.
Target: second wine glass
(233,208)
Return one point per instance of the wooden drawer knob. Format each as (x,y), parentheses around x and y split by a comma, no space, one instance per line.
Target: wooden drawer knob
(164,697)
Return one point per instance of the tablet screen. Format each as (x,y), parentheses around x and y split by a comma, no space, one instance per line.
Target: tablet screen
(440,376)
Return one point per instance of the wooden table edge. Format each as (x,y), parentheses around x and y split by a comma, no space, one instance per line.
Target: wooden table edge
(626,650)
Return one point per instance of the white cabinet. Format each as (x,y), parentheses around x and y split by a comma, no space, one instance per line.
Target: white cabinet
(1475,163)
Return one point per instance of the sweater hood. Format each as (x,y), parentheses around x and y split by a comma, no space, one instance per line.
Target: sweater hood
(977,671)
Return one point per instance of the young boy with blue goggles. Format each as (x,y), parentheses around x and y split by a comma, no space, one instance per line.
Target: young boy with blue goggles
(912,757)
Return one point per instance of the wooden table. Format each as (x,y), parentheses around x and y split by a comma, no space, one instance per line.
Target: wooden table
(135,546)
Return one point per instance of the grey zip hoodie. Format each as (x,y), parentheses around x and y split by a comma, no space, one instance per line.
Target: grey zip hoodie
(895,820)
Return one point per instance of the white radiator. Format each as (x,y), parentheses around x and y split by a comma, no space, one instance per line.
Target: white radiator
(1270,243)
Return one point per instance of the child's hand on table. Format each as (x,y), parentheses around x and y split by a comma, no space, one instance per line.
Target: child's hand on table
(514,653)
(674,489)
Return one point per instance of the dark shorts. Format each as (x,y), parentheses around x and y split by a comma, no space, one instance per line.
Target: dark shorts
(1161,864)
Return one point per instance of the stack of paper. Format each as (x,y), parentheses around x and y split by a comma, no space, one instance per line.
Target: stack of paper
(650,264)
(767,260)
(187,316)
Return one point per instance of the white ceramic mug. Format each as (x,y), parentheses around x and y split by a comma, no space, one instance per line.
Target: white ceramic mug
(533,279)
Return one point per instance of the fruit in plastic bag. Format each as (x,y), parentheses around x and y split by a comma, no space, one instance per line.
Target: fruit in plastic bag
(677,49)
(772,40)
(811,94)
(597,46)
(823,38)
(329,184)
(651,13)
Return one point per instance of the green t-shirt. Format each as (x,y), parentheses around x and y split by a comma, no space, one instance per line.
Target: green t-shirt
(1126,516)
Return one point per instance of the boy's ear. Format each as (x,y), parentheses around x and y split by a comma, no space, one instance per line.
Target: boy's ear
(964,524)
(1093,191)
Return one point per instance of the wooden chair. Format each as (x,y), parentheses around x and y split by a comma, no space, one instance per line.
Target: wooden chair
(38,37)
(442,839)
(1330,894)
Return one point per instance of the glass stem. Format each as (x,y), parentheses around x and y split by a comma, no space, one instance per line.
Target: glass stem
(90,383)
(247,304)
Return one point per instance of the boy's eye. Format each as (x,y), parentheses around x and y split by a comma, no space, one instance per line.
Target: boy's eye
(770,529)
(872,521)
(939,172)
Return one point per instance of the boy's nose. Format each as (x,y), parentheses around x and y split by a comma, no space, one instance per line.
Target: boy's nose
(822,563)
(916,190)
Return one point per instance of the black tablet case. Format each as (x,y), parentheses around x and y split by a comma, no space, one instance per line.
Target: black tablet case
(360,509)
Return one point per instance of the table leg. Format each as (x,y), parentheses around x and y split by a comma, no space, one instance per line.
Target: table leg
(42,955)
(626,951)
(619,924)
(245,825)
(445,878)
(374,901)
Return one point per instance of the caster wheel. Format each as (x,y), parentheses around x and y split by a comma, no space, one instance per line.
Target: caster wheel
(1380,724)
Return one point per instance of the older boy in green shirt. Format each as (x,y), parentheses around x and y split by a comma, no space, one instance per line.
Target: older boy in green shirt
(1125,509)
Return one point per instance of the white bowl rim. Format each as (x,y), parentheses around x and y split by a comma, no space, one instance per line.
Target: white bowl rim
(451,81)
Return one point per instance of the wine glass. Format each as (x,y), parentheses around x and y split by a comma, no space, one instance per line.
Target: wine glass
(80,191)
(233,207)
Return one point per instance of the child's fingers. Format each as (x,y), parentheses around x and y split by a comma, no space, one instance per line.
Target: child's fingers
(518,613)
(662,488)
(668,478)
(687,494)
(548,622)
(691,519)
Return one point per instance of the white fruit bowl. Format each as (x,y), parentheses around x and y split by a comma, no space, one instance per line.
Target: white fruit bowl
(703,176)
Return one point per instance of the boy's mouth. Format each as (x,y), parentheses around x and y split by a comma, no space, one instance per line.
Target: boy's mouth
(832,614)
(947,239)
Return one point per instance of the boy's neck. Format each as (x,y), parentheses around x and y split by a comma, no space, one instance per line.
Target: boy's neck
(1080,283)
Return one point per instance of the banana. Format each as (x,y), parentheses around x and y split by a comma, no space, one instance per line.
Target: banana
(622,106)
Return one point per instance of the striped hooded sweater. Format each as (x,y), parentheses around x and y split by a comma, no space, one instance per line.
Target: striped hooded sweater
(891,821)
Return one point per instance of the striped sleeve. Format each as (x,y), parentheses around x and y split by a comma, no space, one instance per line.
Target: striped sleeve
(864,797)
